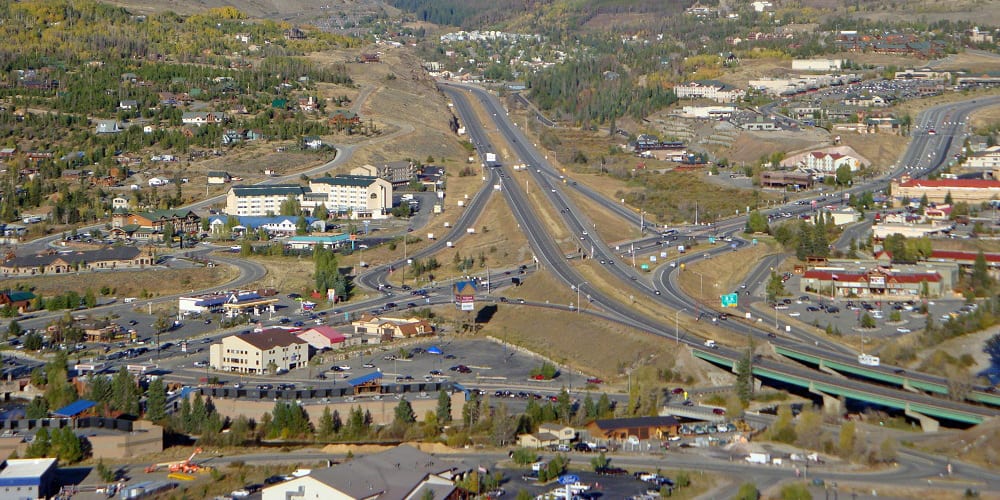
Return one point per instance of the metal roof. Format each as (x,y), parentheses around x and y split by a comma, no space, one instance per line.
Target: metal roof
(26,471)
(75,408)
(364,378)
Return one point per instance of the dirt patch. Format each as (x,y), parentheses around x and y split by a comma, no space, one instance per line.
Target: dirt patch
(881,150)
(750,147)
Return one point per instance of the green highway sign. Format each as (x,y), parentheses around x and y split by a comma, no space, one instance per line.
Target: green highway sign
(730,299)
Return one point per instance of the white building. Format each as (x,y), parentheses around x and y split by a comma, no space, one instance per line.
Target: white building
(989,158)
(261,200)
(259,352)
(355,196)
(715,91)
(817,64)
(711,112)
(829,162)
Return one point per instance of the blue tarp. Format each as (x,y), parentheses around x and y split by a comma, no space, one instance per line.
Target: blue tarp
(433,350)
(364,378)
(75,408)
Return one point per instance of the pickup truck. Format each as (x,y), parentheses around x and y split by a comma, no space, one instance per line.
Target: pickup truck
(711,344)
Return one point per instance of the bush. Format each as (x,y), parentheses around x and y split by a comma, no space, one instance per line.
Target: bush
(547,370)
(795,491)
(523,456)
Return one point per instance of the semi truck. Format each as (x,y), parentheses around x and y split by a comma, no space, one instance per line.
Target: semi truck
(759,458)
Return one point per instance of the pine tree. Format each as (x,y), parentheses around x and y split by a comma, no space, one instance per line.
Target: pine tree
(443,412)
(156,401)
(325,431)
(404,415)
(603,406)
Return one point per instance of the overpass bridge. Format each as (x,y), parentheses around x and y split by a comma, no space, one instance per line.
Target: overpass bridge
(926,409)
(846,365)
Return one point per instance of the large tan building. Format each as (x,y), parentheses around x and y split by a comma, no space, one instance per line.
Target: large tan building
(972,191)
(259,352)
(389,328)
(261,200)
(353,196)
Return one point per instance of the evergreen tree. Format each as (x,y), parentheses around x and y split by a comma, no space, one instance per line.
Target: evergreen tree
(443,412)
(156,401)
(404,416)
(589,408)
(325,431)
(604,406)
(125,393)
(321,212)
(14,329)
(981,280)
(99,390)
(37,408)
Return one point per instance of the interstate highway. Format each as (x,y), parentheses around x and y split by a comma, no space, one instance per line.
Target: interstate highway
(552,258)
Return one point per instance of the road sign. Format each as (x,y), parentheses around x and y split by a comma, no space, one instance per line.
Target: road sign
(569,479)
(729,299)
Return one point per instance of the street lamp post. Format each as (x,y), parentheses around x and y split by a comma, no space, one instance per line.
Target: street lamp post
(578,303)
(677,328)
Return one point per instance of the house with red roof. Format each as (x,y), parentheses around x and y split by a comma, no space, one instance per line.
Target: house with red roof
(323,337)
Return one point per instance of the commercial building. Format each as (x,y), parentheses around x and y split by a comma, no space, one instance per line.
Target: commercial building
(402,472)
(785,179)
(259,352)
(972,191)
(325,241)
(261,200)
(52,262)
(620,429)
(323,337)
(183,221)
(28,478)
(390,328)
(874,283)
(708,89)
(988,158)
(138,438)
(817,64)
(351,196)
(398,173)
(283,225)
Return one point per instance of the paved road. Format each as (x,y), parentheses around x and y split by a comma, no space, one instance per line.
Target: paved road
(550,257)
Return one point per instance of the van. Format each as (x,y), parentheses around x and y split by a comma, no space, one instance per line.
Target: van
(129,300)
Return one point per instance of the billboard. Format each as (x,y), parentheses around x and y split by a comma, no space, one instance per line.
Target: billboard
(465,295)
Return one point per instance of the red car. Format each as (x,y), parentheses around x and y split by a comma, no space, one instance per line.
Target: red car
(594,380)
(538,377)
(718,411)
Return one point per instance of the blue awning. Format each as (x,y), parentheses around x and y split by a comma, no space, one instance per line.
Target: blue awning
(75,408)
(356,381)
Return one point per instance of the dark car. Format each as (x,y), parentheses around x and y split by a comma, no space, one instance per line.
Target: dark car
(718,411)
(612,471)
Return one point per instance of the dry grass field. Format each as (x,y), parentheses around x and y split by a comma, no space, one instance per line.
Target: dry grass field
(130,283)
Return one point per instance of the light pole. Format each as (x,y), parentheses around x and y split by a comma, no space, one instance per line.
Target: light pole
(677,328)
(578,304)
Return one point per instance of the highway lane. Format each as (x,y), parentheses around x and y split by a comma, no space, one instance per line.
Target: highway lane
(551,257)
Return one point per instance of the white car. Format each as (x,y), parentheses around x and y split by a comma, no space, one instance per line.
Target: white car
(903,330)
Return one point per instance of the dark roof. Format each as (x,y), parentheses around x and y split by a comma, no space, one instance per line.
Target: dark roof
(394,473)
(347,180)
(113,253)
(271,338)
(270,190)
(166,214)
(75,408)
(18,296)
(626,423)
(364,378)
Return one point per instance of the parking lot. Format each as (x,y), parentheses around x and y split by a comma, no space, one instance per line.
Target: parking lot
(845,315)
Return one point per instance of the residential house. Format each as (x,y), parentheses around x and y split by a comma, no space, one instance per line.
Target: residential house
(307,103)
(390,328)
(621,429)
(402,472)
(259,352)
(107,127)
(312,142)
(199,118)
(71,261)
(323,337)
(128,105)
(344,118)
